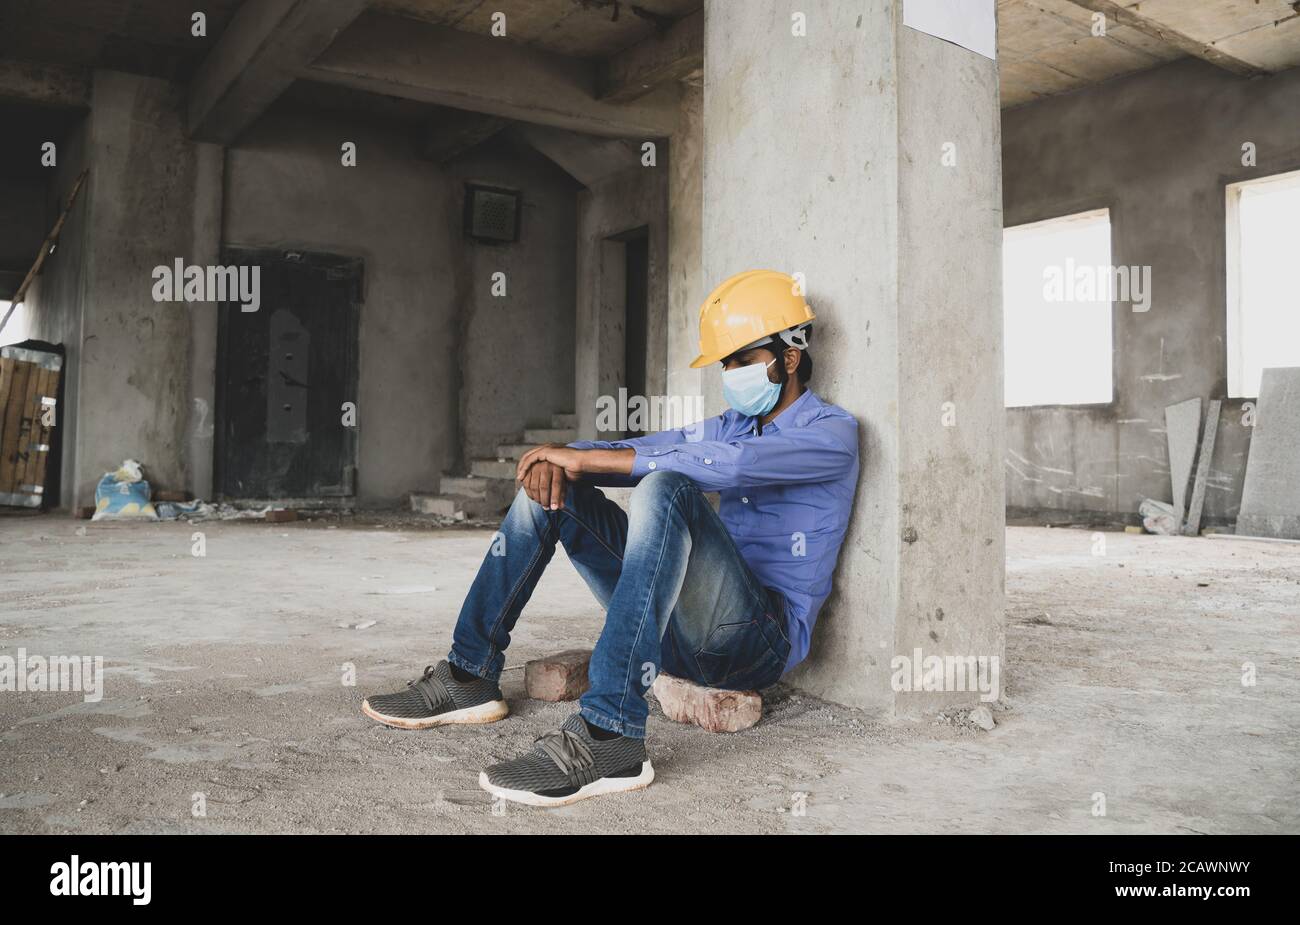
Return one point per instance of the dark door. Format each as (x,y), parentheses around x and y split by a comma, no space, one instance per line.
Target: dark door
(284,375)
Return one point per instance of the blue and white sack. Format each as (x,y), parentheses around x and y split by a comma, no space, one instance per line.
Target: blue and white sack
(124,495)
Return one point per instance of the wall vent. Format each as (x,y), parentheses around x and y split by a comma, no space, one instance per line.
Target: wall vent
(491,214)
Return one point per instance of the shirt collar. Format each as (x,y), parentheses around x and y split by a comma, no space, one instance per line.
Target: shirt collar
(799,413)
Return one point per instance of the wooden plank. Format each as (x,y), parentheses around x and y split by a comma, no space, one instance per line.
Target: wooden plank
(47,432)
(6,380)
(1211,430)
(27,429)
(13,415)
(50,240)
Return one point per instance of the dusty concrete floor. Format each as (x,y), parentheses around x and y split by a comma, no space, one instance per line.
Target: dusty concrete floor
(223,677)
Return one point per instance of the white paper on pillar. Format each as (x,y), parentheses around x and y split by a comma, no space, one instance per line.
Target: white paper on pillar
(971,24)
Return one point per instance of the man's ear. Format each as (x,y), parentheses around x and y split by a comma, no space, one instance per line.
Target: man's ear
(790,357)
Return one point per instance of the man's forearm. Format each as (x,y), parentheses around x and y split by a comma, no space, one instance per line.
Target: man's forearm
(606,462)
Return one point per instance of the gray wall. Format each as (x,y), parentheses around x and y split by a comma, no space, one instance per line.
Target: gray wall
(129,377)
(54,302)
(1157,149)
(516,351)
(441,362)
(629,200)
(286,188)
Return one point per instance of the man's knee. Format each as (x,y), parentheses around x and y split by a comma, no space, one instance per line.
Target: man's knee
(524,511)
(525,507)
(659,488)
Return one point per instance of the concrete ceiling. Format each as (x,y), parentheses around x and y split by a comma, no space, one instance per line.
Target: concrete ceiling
(140,36)
(578,28)
(1048,46)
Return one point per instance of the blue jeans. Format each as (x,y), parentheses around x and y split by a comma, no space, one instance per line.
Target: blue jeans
(676,592)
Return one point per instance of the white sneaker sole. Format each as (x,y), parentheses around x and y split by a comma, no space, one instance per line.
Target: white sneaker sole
(594,789)
(488,712)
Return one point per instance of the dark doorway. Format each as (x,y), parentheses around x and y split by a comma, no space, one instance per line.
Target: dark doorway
(284,374)
(636,332)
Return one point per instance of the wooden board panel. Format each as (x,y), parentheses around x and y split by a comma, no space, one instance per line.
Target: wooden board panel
(12,424)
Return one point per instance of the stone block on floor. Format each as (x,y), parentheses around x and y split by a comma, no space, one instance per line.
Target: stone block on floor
(558,677)
(710,708)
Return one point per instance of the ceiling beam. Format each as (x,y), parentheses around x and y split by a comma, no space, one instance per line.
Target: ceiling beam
(588,160)
(436,64)
(456,132)
(44,84)
(1172,37)
(257,58)
(662,58)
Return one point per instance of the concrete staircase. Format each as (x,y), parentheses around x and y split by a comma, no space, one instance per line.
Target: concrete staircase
(490,486)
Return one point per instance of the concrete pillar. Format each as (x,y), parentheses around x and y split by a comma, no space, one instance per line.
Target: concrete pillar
(825,155)
(134,389)
(210,162)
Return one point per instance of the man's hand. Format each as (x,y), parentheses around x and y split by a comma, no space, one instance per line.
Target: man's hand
(542,473)
(544,470)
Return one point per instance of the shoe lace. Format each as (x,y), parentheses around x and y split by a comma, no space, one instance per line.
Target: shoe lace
(428,672)
(431,689)
(568,750)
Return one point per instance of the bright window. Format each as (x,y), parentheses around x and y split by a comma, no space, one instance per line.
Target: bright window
(1263,280)
(16,329)
(1057,286)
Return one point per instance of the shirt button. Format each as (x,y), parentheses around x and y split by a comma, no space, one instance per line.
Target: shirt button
(651,465)
(744,500)
(707,461)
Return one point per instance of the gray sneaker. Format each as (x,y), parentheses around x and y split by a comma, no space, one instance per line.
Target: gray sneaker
(568,765)
(438,699)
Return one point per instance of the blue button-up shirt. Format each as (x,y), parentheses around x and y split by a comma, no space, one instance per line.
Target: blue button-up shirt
(786,494)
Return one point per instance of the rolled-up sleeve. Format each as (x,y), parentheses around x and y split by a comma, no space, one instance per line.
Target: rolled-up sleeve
(820,451)
(692,435)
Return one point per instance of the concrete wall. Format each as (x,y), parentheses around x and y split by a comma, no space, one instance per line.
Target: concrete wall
(56,298)
(130,378)
(436,351)
(287,188)
(635,198)
(516,352)
(1157,149)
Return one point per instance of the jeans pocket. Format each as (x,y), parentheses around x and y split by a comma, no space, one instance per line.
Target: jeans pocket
(733,654)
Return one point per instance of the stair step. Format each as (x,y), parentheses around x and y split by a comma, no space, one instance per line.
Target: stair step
(493,468)
(513,450)
(550,435)
(457,506)
(469,486)
(442,505)
(567,421)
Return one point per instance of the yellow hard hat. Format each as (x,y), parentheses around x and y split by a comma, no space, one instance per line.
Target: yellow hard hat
(748,307)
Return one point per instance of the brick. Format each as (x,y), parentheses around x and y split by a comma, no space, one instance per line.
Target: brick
(710,708)
(562,676)
(281,515)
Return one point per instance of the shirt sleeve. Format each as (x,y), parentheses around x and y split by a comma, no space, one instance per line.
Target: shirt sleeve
(818,452)
(691,435)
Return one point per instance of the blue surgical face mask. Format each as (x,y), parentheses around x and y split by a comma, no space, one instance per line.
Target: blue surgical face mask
(748,389)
